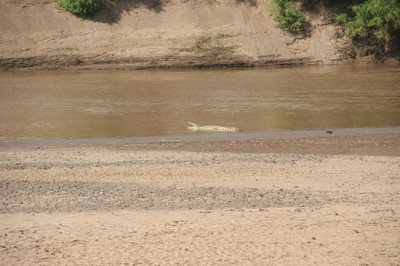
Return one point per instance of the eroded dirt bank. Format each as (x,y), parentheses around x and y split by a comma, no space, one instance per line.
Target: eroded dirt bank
(159,34)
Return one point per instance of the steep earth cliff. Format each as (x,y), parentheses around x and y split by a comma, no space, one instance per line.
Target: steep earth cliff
(161,33)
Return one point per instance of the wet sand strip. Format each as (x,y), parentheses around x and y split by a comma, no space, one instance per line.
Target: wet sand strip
(346,141)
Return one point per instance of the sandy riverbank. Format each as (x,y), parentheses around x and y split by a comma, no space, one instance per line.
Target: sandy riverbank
(292,201)
(161,34)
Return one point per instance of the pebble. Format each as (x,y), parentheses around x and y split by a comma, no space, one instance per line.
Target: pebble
(79,196)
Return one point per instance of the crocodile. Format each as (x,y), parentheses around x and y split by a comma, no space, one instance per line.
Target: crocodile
(211,128)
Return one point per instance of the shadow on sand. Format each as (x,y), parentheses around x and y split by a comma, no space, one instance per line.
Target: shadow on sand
(112,10)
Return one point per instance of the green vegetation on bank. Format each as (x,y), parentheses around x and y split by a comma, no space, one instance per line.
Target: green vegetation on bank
(82,8)
(368,18)
(289,17)
(377,18)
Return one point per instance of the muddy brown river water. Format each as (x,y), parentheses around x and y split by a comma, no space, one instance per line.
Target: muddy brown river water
(114,104)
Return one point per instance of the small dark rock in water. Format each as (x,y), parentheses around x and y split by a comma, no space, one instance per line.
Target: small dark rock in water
(356,231)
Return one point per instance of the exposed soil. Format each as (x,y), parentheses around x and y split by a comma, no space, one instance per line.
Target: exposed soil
(161,34)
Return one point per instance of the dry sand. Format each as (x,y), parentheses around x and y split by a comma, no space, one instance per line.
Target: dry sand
(320,200)
(162,34)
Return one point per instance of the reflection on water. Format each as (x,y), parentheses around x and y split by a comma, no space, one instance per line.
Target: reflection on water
(87,104)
